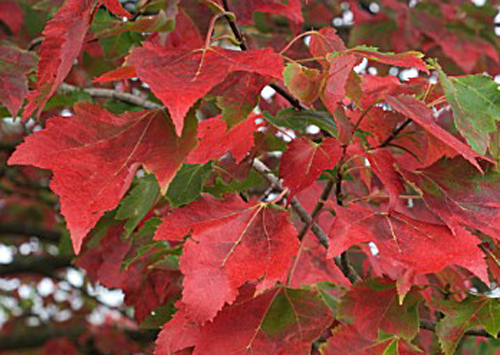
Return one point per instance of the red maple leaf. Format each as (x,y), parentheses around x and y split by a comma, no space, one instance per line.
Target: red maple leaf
(280,321)
(419,247)
(63,41)
(231,242)
(180,77)
(94,156)
(304,160)
(421,114)
(215,140)
(459,194)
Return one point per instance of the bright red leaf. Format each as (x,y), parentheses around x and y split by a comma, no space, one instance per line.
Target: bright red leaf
(382,163)
(419,247)
(280,321)
(179,77)
(215,140)
(228,246)
(422,115)
(460,195)
(406,59)
(63,41)
(340,67)
(94,156)
(304,160)
(373,306)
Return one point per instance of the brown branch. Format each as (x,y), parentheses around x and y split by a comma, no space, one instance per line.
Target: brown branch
(395,133)
(347,270)
(8,147)
(44,265)
(239,36)
(319,206)
(112,94)
(36,337)
(25,230)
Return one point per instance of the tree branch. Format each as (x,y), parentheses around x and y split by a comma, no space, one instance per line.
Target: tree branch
(319,206)
(44,265)
(395,133)
(112,94)
(8,147)
(24,230)
(347,270)
(36,337)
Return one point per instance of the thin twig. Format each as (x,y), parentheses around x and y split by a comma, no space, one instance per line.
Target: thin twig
(112,94)
(395,133)
(10,229)
(319,206)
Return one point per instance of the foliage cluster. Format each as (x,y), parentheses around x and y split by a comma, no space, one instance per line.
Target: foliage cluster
(257,176)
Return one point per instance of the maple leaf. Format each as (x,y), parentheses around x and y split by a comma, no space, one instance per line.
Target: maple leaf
(177,334)
(406,59)
(115,7)
(382,163)
(476,107)
(94,156)
(462,316)
(304,160)
(421,114)
(419,247)
(378,88)
(14,64)
(11,14)
(238,95)
(464,49)
(231,242)
(137,203)
(373,305)
(347,340)
(459,194)
(63,41)
(280,321)
(215,141)
(304,83)
(188,184)
(179,77)
(325,41)
(340,67)
(313,266)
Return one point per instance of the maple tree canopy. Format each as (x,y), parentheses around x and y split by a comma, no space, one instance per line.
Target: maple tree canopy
(266,177)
